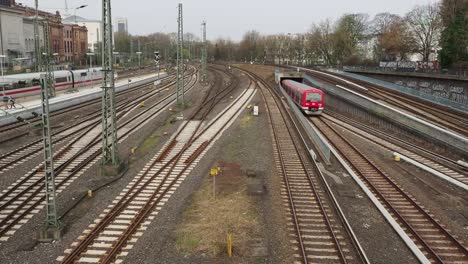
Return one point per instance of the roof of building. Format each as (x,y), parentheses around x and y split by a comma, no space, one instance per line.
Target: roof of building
(73,19)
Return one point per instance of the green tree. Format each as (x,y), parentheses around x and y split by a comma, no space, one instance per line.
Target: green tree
(122,42)
(454,38)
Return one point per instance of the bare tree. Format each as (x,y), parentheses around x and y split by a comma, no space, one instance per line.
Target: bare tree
(382,22)
(393,37)
(354,26)
(321,36)
(425,24)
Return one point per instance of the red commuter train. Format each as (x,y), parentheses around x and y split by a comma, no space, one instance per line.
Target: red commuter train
(310,100)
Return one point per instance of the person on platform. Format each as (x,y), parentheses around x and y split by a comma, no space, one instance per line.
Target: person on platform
(12,102)
(5,101)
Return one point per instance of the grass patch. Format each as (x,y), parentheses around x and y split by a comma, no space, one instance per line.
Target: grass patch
(187,243)
(153,140)
(207,221)
(245,121)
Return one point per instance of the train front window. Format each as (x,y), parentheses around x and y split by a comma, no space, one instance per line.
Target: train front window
(313,97)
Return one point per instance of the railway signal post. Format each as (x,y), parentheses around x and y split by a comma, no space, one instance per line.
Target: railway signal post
(110,159)
(180,58)
(157,59)
(52,229)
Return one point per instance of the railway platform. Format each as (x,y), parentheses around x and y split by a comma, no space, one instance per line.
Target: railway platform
(25,106)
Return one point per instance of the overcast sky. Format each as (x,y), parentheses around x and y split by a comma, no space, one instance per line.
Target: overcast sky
(229,19)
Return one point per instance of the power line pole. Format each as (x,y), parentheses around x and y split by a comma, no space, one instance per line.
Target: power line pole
(180,57)
(204,53)
(52,227)
(46,61)
(37,49)
(109,128)
(131,51)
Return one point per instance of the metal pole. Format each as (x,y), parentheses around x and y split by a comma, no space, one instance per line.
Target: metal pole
(109,127)
(180,58)
(182,52)
(37,51)
(47,55)
(52,225)
(204,54)
(3,78)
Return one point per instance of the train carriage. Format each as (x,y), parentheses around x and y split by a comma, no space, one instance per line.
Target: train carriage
(310,100)
(27,84)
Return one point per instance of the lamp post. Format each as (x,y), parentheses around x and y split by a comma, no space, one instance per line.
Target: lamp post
(90,54)
(3,78)
(55,55)
(83,6)
(115,56)
(139,59)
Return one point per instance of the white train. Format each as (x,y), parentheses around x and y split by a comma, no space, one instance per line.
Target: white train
(26,84)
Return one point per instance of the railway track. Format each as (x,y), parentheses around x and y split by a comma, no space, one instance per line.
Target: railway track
(25,198)
(439,163)
(436,243)
(14,130)
(28,151)
(123,222)
(320,230)
(435,114)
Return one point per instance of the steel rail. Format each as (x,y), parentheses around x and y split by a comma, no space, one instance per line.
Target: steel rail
(330,132)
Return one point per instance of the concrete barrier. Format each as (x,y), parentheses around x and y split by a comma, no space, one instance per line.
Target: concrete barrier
(445,92)
(379,109)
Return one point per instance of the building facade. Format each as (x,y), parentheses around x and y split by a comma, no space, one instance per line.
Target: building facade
(121,24)
(93,27)
(80,44)
(11,32)
(68,40)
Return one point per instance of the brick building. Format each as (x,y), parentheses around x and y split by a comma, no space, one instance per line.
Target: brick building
(70,41)
(80,43)
(55,26)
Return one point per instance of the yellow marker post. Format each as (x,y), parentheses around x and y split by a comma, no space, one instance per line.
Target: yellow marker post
(142,104)
(90,193)
(229,244)
(397,158)
(213,174)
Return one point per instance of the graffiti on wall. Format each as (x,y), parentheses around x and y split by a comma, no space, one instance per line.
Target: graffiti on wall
(446,90)
(411,65)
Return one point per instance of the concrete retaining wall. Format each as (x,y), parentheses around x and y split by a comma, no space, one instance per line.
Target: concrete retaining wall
(450,92)
(427,129)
